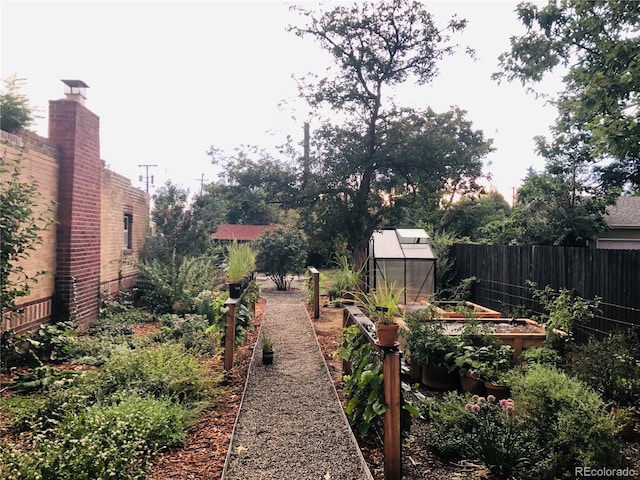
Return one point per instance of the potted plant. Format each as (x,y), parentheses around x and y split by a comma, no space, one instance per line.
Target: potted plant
(433,349)
(382,305)
(267,350)
(494,368)
(241,262)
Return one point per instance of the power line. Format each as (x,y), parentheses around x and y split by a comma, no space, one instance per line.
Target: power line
(146,167)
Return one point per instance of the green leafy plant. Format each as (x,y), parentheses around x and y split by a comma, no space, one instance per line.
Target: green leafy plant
(345,277)
(564,310)
(539,356)
(427,342)
(171,287)
(267,343)
(364,389)
(101,442)
(281,253)
(497,438)
(241,261)
(23,218)
(568,422)
(611,366)
(496,364)
(163,371)
(382,303)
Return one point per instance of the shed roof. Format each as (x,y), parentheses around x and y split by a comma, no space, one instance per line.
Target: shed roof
(228,231)
(624,214)
(403,243)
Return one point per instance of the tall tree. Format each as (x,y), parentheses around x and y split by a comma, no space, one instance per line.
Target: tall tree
(597,44)
(173,218)
(380,156)
(471,216)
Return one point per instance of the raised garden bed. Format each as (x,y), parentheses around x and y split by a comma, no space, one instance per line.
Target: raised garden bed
(455,309)
(519,333)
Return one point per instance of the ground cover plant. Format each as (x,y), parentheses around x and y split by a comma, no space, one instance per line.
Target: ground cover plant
(87,422)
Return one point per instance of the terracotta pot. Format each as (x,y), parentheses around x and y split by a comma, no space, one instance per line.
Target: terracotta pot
(501,392)
(470,382)
(387,334)
(439,378)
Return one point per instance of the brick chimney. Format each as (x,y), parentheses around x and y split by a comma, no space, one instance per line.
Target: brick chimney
(76,130)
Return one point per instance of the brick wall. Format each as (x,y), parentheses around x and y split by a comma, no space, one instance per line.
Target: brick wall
(83,251)
(76,131)
(38,160)
(117,264)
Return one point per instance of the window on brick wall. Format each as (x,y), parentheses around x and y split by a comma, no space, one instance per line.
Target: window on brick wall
(128,231)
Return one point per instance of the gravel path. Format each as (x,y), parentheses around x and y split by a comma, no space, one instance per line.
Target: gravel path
(291,424)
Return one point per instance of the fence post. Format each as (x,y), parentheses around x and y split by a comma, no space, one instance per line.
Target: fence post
(392,427)
(230,333)
(316,293)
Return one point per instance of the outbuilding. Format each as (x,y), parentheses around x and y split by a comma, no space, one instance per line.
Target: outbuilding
(404,256)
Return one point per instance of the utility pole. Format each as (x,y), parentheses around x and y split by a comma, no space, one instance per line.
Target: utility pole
(202,180)
(305,159)
(146,167)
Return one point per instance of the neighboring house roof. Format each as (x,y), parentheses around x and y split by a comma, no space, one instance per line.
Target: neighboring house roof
(227,231)
(624,214)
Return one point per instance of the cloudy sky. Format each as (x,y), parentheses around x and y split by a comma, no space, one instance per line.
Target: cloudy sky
(169,79)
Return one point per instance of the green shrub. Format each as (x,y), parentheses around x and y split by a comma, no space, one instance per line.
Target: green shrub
(164,287)
(451,426)
(101,442)
(539,356)
(567,419)
(164,371)
(610,366)
(192,331)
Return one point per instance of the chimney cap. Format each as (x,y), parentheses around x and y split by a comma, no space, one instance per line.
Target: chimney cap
(75,83)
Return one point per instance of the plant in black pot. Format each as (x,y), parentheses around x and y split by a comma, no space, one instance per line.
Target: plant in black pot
(267,350)
(241,262)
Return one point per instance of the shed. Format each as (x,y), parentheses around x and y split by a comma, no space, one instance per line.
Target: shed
(404,256)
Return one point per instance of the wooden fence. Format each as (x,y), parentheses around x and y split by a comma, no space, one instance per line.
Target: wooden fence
(503,271)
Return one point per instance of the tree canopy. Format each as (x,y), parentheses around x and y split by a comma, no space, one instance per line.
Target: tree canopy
(597,45)
(15,112)
(369,159)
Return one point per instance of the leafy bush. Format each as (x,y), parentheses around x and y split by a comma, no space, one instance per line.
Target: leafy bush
(192,331)
(567,419)
(51,342)
(427,342)
(539,356)
(165,288)
(497,438)
(164,371)
(101,442)
(610,366)
(280,253)
(363,388)
(451,426)
(564,310)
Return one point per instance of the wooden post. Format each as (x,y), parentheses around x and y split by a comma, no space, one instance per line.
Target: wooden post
(392,432)
(230,333)
(316,294)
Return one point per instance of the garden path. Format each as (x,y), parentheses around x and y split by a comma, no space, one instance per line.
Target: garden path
(291,423)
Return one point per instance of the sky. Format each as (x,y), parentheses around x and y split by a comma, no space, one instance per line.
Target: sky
(170,79)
